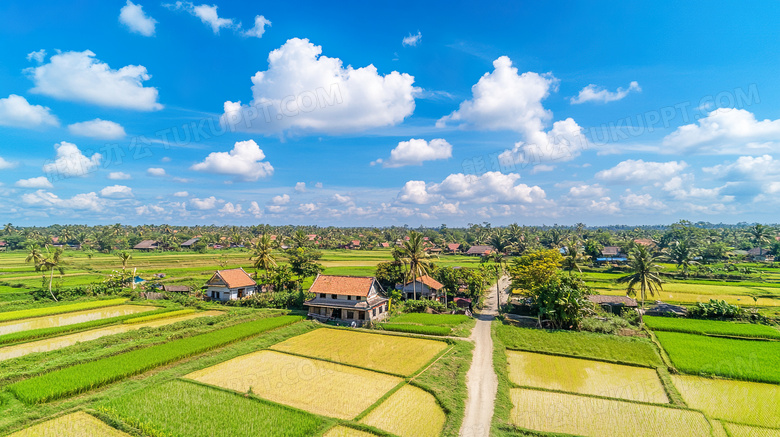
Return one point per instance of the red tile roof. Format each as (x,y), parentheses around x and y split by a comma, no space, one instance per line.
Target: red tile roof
(235,278)
(430,282)
(453,246)
(343,285)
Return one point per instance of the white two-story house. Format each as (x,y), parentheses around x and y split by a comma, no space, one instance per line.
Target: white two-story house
(347,299)
(230,284)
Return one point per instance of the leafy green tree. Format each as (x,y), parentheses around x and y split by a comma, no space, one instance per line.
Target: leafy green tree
(124,257)
(563,302)
(51,260)
(535,269)
(682,255)
(415,258)
(303,262)
(390,273)
(644,277)
(759,234)
(573,258)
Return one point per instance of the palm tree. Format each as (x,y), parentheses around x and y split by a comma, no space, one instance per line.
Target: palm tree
(413,255)
(499,240)
(50,260)
(759,234)
(573,257)
(644,276)
(8,228)
(682,254)
(263,254)
(124,256)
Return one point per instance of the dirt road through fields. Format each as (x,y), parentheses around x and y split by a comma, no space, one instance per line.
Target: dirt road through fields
(481,379)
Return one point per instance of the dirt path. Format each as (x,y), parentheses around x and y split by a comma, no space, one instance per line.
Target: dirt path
(481,379)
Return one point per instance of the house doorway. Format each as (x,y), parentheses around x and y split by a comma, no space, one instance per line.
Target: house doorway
(337,313)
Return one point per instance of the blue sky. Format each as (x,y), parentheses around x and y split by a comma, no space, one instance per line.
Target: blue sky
(406,113)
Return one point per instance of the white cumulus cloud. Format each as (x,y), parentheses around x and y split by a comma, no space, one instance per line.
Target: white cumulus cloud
(504,99)
(16,111)
(725,131)
(490,187)
(245,162)
(300,187)
(639,171)
(37,56)
(39,182)
(259,29)
(415,151)
(303,91)
(594,93)
(85,201)
(181,194)
(5,165)
(117,192)
(283,199)
(204,204)
(119,176)
(155,171)
(97,128)
(564,142)
(134,17)
(79,76)
(70,161)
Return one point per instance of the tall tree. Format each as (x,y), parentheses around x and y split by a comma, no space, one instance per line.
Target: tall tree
(643,276)
(759,234)
(573,257)
(415,258)
(263,257)
(682,254)
(48,260)
(124,256)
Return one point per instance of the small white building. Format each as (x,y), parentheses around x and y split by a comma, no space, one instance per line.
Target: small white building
(426,287)
(230,284)
(347,299)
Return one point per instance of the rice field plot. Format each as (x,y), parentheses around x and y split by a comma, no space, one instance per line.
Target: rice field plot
(58,309)
(90,375)
(580,344)
(416,329)
(316,386)
(431,319)
(166,315)
(78,424)
(344,431)
(71,318)
(184,409)
(61,341)
(386,353)
(711,327)
(691,298)
(736,430)
(409,412)
(593,417)
(585,377)
(749,403)
(747,360)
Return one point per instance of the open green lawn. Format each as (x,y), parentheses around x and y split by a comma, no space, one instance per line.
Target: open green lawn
(711,327)
(747,360)
(580,344)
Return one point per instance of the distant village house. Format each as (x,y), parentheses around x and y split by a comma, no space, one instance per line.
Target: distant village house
(230,284)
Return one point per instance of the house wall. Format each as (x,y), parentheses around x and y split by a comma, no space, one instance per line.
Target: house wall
(379,313)
(226,294)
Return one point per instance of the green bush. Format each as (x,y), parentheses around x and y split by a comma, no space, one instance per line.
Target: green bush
(431,319)
(715,309)
(421,305)
(610,324)
(87,376)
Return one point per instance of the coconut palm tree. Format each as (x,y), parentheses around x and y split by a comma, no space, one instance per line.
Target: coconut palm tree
(34,254)
(263,254)
(414,256)
(573,257)
(124,256)
(499,240)
(759,234)
(643,276)
(49,260)
(682,254)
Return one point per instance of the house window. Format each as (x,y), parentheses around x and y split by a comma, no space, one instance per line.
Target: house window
(322,295)
(381,309)
(215,295)
(357,297)
(333,296)
(350,315)
(349,297)
(374,312)
(362,315)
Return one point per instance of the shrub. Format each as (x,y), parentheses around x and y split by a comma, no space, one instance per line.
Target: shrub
(607,325)
(715,309)
(421,305)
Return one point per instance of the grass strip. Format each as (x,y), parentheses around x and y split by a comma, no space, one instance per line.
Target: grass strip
(87,376)
(711,327)
(165,315)
(611,348)
(59,309)
(180,408)
(431,319)
(416,329)
(54,331)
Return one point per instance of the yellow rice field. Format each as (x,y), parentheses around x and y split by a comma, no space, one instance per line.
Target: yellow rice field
(316,386)
(669,294)
(409,412)
(738,401)
(386,353)
(78,424)
(593,417)
(750,431)
(585,377)
(343,431)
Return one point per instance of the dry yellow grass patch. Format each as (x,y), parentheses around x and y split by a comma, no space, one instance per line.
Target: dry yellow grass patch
(751,431)
(586,377)
(343,431)
(317,386)
(753,403)
(387,353)
(409,412)
(72,425)
(593,417)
